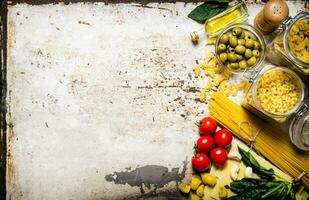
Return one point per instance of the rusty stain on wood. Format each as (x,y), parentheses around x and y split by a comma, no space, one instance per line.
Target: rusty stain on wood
(149,176)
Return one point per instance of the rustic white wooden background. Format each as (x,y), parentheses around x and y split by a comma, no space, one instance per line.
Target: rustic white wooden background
(95,89)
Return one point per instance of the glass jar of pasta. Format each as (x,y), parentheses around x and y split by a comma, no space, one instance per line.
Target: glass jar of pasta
(277,94)
(291,46)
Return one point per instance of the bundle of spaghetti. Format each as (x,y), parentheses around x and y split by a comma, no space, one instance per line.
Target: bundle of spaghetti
(271,142)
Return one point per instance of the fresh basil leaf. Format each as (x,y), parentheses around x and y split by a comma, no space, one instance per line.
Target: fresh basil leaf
(247,188)
(249,160)
(245,184)
(208,9)
(249,195)
(273,192)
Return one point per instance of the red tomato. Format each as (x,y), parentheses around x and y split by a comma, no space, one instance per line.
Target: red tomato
(218,156)
(204,144)
(207,126)
(223,138)
(200,162)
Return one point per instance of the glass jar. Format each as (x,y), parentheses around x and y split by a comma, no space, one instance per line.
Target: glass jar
(260,98)
(298,113)
(257,35)
(280,52)
(299,129)
(236,13)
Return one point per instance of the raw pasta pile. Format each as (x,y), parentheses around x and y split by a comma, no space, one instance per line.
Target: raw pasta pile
(277,92)
(219,77)
(299,40)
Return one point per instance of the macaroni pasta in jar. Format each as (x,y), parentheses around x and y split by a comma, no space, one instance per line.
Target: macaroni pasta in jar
(276,93)
(291,46)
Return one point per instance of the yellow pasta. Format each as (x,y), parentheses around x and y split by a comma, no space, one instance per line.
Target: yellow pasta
(210,72)
(197,70)
(234,89)
(277,92)
(218,80)
(203,96)
(211,69)
(208,86)
(211,41)
(224,88)
(226,74)
(218,69)
(299,40)
(243,85)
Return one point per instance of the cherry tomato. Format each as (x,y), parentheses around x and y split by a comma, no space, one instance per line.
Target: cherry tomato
(223,138)
(204,144)
(207,126)
(200,162)
(218,156)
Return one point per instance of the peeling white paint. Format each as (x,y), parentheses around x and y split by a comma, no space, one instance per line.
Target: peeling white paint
(92,91)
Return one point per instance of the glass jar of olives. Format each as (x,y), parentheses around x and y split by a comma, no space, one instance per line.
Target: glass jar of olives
(240,47)
(290,46)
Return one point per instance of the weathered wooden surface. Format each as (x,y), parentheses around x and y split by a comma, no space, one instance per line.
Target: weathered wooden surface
(101,99)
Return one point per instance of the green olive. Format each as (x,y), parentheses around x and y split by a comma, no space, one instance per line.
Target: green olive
(256,53)
(230,49)
(243,64)
(240,49)
(257,45)
(234,65)
(239,57)
(251,61)
(242,35)
(249,43)
(233,41)
(249,36)
(237,31)
(241,41)
(224,38)
(248,53)
(232,57)
(221,47)
(223,57)
(229,34)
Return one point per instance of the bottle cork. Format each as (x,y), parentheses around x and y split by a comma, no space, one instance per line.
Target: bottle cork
(272,15)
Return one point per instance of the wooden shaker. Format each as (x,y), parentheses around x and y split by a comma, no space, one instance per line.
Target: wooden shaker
(272,15)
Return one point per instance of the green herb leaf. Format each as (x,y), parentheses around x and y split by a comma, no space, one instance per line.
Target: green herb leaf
(252,188)
(208,9)
(240,186)
(249,160)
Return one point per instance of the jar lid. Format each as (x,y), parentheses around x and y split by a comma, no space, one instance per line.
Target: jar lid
(299,129)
